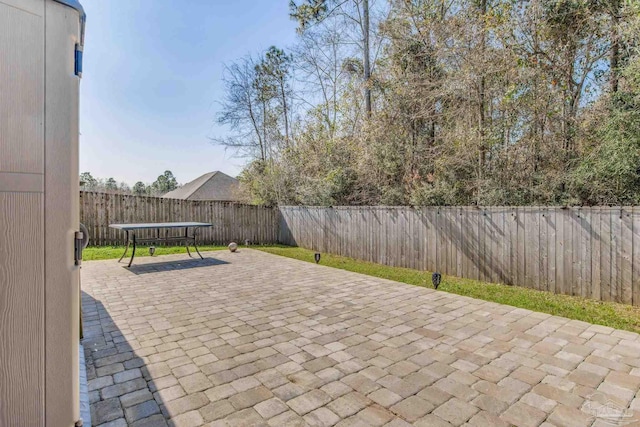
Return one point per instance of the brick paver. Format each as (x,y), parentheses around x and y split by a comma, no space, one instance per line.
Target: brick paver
(253,339)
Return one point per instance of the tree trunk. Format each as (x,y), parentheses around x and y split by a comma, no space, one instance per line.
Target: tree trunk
(285,112)
(367,65)
(614,61)
(482,98)
(264,128)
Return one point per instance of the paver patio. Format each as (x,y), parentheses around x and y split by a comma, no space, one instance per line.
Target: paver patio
(254,339)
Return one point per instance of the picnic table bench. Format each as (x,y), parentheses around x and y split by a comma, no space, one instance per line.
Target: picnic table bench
(131,230)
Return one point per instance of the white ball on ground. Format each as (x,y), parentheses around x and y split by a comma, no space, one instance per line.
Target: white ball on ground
(233,246)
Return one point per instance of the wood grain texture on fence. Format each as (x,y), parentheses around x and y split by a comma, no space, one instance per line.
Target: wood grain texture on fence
(232,222)
(593,252)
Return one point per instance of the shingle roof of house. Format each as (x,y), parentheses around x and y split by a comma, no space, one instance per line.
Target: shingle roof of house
(210,186)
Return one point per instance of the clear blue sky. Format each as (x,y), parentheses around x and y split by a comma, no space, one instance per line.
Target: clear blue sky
(152,79)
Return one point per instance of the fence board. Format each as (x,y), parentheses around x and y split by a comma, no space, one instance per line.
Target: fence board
(587,283)
(605,254)
(511,228)
(635,280)
(493,230)
(595,253)
(559,250)
(551,244)
(467,264)
(449,247)
(544,249)
(616,254)
(576,277)
(626,272)
(521,248)
(533,246)
(567,251)
(481,247)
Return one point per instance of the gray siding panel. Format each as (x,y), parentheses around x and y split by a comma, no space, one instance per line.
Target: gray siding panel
(21,310)
(22,328)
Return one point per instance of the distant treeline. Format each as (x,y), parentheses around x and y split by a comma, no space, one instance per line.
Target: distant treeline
(165,183)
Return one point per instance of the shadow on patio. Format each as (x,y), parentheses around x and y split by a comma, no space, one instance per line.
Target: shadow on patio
(121,386)
(174,265)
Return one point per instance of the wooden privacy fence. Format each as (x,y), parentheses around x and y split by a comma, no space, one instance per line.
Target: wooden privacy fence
(592,252)
(231,221)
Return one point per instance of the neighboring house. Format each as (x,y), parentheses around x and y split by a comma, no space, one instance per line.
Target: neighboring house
(210,186)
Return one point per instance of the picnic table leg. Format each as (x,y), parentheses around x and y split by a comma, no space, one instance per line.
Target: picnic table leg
(195,233)
(126,248)
(133,253)
(186,241)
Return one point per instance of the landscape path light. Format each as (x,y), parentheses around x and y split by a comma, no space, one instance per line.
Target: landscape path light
(436,278)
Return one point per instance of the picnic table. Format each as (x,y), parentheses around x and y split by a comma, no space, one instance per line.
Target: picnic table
(131,230)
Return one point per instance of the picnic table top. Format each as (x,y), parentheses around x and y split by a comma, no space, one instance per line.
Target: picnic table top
(151,225)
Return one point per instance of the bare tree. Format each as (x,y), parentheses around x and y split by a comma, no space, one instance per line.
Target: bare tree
(319,59)
(241,110)
(356,12)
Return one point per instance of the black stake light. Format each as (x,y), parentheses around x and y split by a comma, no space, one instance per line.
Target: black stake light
(436,278)
(316,256)
(152,250)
